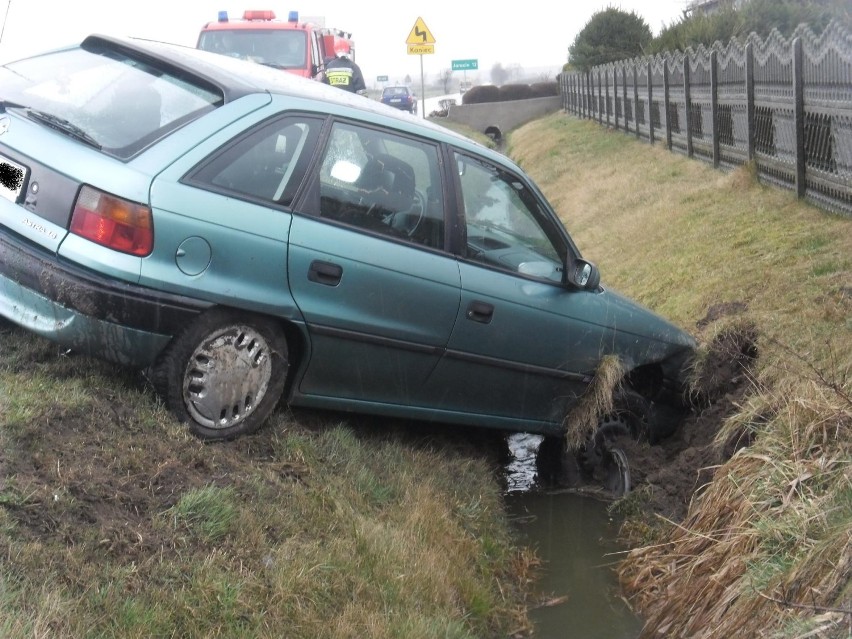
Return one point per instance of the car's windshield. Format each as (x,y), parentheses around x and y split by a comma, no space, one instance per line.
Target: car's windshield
(280,48)
(115,102)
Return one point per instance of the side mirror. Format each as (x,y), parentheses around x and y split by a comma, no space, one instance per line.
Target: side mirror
(583,274)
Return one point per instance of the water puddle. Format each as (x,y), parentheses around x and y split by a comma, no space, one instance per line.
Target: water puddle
(575,538)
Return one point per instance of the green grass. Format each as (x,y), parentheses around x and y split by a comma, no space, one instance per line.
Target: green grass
(114,522)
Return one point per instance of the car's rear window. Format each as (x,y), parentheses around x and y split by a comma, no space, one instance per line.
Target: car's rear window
(393,91)
(116,102)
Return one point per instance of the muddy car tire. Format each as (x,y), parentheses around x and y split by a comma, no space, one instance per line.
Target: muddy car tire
(224,374)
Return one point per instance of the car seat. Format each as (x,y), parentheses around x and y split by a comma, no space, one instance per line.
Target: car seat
(387,185)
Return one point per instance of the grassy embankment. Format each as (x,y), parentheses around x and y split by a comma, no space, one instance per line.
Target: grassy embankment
(766,549)
(114,522)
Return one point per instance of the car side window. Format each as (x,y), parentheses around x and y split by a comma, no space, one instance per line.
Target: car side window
(383,183)
(505,225)
(268,164)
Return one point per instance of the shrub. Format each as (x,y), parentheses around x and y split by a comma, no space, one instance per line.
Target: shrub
(480,94)
(543,89)
(514,92)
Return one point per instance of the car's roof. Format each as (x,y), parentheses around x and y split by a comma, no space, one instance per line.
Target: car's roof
(234,76)
(237,77)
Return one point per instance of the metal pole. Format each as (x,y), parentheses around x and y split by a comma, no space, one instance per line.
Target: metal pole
(422,90)
(6,17)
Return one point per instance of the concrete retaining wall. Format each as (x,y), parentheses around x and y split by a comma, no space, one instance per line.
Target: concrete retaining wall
(498,118)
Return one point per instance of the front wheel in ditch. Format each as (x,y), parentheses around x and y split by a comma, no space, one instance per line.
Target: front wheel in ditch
(224,374)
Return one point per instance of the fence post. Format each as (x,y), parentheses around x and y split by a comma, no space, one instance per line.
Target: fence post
(687,99)
(615,95)
(799,115)
(576,84)
(606,95)
(589,113)
(666,107)
(650,105)
(624,98)
(714,105)
(636,99)
(749,87)
(600,96)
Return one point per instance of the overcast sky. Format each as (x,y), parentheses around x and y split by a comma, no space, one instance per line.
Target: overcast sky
(533,34)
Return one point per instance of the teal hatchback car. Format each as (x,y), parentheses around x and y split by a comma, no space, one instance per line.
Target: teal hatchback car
(251,237)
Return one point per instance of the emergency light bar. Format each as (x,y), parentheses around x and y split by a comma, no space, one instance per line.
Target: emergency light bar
(258,15)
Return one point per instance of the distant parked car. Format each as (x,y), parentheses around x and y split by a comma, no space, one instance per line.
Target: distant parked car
(248,235)
(400,97)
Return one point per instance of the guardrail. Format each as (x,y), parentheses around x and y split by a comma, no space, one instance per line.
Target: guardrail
(784,104)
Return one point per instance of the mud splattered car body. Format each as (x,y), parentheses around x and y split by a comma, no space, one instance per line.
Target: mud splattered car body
(250,237)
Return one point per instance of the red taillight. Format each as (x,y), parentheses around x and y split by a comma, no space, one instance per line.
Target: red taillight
(110,221)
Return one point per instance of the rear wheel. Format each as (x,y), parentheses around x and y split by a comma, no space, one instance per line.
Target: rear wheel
(224,375)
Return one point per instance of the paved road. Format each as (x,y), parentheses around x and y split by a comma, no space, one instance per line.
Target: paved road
(433,104)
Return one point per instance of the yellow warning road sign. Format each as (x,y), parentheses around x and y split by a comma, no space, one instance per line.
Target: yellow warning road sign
(420,34)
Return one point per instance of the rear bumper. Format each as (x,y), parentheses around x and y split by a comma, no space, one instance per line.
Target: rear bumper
(95,315)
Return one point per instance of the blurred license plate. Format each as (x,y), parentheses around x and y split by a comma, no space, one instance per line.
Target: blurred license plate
(12,179)
(396,99)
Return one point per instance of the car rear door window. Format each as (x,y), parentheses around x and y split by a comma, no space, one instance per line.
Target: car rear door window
(268,164)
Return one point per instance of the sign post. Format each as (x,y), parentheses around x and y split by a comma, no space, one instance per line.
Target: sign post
(420,41)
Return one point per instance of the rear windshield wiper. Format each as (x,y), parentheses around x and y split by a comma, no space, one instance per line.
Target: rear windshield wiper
(66,126)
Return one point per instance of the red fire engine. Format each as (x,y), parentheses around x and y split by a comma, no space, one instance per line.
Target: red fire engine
(298,47)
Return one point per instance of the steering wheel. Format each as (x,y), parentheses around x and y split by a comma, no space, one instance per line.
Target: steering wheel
(418,207)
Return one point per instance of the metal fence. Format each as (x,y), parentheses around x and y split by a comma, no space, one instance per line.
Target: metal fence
(786,104)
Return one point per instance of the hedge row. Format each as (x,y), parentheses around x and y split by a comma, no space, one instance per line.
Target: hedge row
(490,93)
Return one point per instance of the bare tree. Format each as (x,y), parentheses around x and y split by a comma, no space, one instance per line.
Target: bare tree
(499,74)
(444,79)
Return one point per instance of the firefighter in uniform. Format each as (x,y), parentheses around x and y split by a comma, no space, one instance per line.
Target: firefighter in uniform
(343,73)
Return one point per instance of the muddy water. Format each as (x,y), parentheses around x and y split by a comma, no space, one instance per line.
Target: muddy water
(575,538)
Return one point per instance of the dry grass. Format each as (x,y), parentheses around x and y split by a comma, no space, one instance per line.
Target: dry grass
(769,545)
(596,402)
(766,548)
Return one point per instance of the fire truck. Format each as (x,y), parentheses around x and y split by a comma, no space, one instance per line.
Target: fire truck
(298,47)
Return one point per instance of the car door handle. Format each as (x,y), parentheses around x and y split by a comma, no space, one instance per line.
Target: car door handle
(480,312)
(325,273)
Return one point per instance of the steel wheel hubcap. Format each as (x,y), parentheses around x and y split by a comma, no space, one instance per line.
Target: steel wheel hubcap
(227,377)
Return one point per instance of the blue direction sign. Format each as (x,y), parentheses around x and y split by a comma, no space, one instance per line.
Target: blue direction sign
(465,65)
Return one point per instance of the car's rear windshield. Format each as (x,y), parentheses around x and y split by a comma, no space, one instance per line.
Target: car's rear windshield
(395,91)
(104,97)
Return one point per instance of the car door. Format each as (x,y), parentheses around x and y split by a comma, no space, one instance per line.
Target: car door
(525,345)
(369,272)
(222,213)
